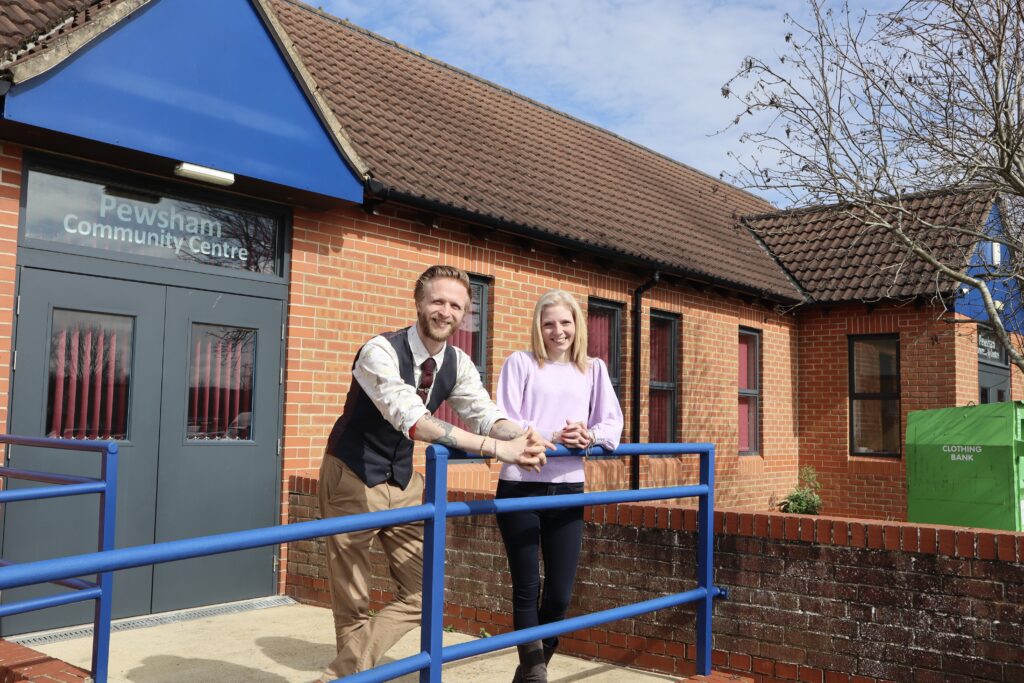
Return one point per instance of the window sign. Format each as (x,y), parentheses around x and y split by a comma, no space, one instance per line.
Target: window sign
(108,217)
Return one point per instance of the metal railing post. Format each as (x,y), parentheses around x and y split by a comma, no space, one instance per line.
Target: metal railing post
(705,568)
(104,604)
(432,622)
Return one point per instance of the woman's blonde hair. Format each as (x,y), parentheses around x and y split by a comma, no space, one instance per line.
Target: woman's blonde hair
(578,348)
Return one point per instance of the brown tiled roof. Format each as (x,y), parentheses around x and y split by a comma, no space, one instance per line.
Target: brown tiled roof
(434,133)
(836,256)
(23,21)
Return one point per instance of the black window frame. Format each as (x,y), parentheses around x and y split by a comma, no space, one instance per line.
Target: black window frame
(482,312)
(672,387)
(753,393)
(615,342)
(873,396)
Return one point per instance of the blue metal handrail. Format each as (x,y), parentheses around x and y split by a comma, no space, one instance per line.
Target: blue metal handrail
(68,485)
(434,512)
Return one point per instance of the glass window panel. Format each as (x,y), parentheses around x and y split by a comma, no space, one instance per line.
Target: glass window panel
(470,338)
(599,331)
(96,215)
(748,375)
(90,375)
(604,329)
(660,424)
(661,350)
(876,426)
(221,383)
(748,413)
(875,369)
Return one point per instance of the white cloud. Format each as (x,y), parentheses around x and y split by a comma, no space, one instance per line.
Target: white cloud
(649,70)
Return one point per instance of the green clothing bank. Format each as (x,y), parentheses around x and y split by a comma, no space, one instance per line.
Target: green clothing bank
(965,466)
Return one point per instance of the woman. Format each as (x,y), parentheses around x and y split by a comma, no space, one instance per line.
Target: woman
(569,399)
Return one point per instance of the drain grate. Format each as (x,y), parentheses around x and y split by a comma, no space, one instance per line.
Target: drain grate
(56,636)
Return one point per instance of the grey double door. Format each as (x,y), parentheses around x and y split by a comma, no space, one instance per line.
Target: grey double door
(188,382)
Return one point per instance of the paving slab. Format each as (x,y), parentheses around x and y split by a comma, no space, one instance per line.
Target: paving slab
(289,644)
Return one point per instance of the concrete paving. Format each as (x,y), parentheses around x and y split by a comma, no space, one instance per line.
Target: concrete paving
(289,644)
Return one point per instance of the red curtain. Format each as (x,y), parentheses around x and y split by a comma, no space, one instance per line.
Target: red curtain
(463,339)
(89,375)
(599,334)
(220,400)
(661,351)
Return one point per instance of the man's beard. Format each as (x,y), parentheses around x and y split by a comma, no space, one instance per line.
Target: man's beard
(428,330)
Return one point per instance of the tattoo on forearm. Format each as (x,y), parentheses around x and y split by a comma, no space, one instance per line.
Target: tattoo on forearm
(506,431)
(445,439)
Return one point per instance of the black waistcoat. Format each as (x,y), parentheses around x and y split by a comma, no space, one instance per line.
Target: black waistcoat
(365,441)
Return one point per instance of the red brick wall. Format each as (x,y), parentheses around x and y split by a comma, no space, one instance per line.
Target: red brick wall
(814,599)
(938,368)
(10,198)
(352,276)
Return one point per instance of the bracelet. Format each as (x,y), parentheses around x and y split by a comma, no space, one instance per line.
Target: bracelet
(482,442)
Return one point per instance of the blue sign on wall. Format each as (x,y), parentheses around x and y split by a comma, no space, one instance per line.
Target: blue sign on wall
(197,81)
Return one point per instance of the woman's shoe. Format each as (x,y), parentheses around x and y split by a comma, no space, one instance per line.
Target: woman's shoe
(532,667)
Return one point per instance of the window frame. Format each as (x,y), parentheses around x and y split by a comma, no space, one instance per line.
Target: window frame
(615,341)
(873,396)
(479,343)
(483,317)
(672,387)
(755,393)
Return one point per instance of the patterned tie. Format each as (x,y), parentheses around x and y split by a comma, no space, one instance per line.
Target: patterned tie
(426,379)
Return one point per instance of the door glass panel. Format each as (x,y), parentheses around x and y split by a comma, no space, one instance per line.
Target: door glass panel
(90,375)
(221,383)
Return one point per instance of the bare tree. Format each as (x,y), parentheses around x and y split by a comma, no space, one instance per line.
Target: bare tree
(866,109)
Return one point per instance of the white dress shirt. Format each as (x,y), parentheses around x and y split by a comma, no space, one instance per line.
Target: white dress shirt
(376,370)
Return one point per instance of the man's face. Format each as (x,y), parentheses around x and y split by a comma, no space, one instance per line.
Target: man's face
(439,313)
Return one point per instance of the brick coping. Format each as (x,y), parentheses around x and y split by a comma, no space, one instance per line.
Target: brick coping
(19,663)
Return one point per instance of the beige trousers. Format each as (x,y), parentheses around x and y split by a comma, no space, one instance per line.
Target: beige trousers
(362,640)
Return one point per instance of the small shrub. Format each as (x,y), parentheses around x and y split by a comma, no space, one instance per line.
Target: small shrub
(804,500)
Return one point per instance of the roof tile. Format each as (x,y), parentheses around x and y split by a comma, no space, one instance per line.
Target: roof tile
(22,20)
(837,256)
(431,131)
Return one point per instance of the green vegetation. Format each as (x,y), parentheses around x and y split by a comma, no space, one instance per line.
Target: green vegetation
(804,500)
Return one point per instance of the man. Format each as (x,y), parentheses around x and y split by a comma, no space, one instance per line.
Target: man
(400,380)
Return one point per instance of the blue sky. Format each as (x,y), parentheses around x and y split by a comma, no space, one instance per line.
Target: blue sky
(648,70)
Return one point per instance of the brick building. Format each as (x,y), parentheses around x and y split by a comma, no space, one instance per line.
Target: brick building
(209,320)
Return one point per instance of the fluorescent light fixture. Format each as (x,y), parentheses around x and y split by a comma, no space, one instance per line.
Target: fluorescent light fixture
(204,174)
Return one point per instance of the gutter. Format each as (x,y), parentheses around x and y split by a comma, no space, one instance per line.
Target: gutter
(634,426)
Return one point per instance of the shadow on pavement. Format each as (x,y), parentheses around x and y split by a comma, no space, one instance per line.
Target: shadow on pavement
(296,653)
(168,668)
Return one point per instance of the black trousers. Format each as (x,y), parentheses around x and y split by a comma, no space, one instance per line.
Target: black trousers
(558,534)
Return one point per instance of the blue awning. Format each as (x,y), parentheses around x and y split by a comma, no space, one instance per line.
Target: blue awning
(196,81)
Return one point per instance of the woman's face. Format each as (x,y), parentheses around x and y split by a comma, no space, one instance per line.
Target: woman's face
(558,330)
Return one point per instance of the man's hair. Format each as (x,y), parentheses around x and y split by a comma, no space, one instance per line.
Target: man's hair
(435,272)
(578,348)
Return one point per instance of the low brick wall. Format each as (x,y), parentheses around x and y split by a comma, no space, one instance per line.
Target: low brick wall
(19,663)
(812,599)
